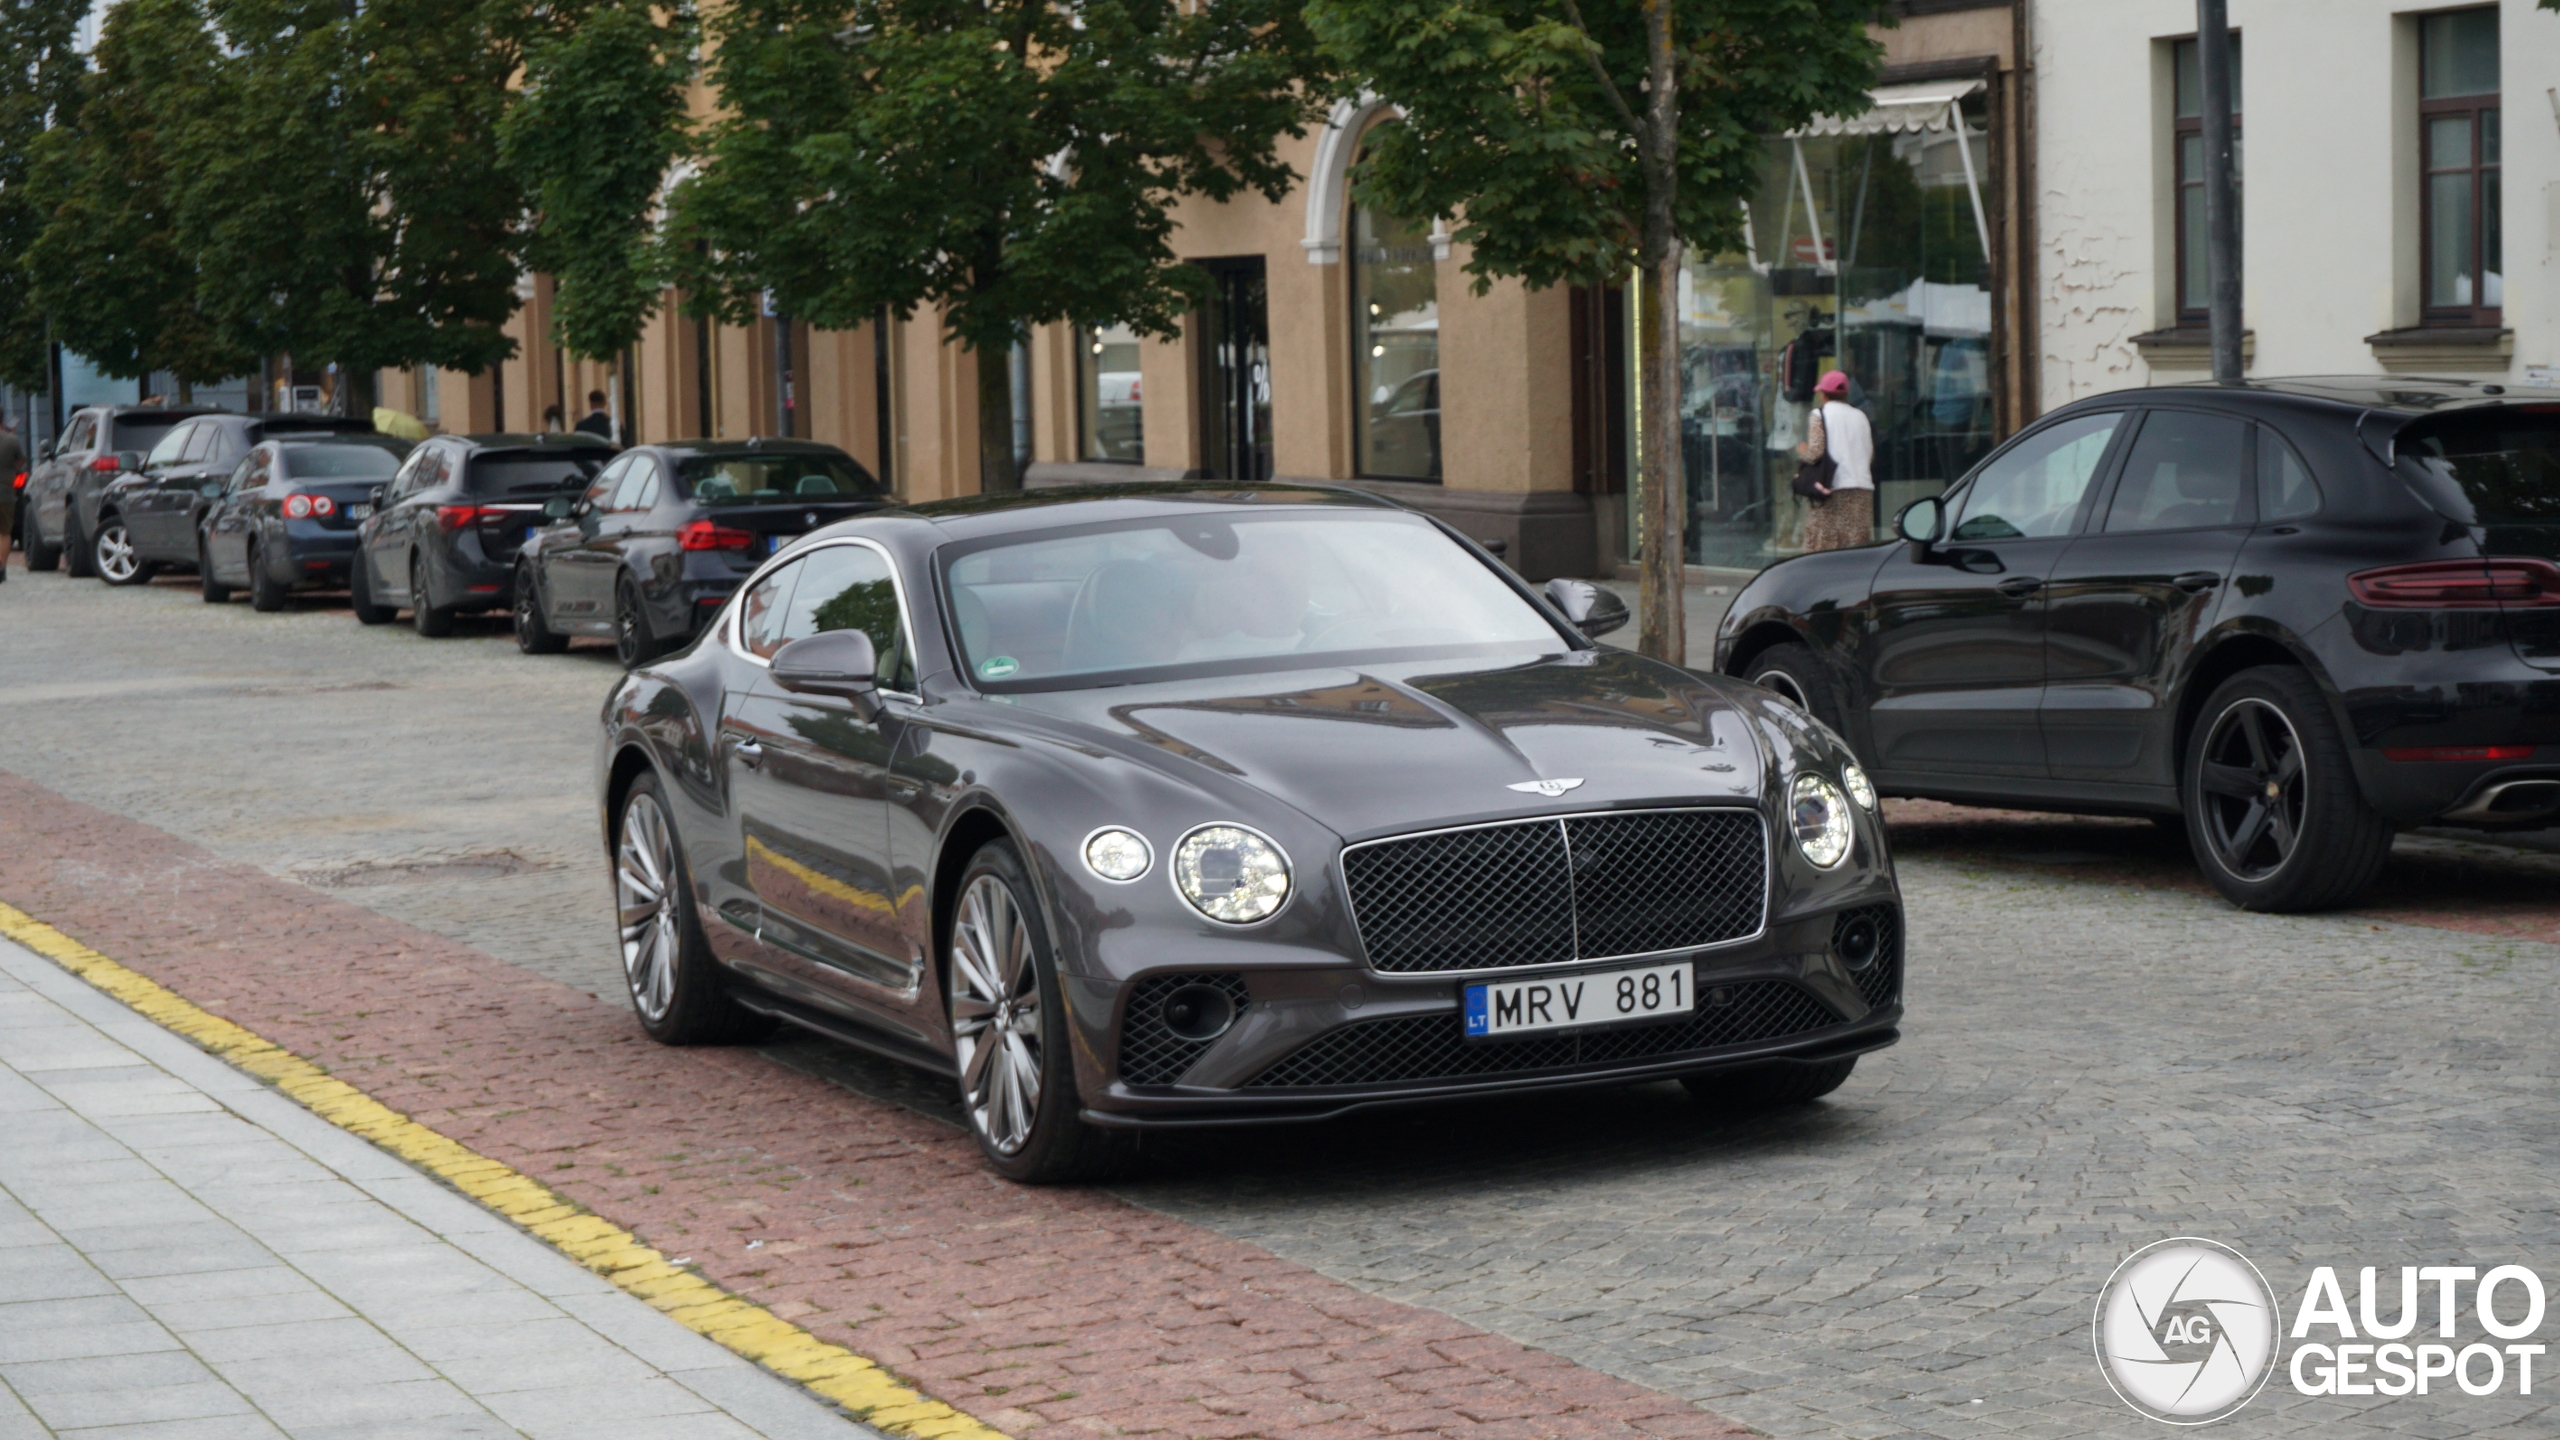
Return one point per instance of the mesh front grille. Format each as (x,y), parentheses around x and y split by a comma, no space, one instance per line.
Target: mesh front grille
(1547,891)
(1151,1054)
(1881,981)
(1435,1047)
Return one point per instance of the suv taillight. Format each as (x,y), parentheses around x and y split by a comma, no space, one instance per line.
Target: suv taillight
(454,517)
(106,464)
(703,535)
(2458,585)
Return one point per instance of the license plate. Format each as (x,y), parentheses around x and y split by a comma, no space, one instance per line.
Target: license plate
(1603,997)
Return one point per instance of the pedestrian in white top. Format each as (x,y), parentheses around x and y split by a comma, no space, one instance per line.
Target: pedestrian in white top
(1847,515)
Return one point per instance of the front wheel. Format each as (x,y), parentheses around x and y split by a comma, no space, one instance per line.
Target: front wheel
(360,590)
(534,635)
(676,988)
(112,555)
(2273,811)
(1010,1031)
(1796,674)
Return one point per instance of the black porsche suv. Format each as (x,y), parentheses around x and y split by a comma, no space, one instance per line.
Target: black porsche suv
(2298,613)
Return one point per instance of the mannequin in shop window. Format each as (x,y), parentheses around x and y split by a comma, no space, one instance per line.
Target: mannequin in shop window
(1845,516)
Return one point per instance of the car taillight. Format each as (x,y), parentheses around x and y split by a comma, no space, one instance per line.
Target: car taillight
(106,464)
(297,507)
(454,517)
(2461,752)
(703,535)
(2458,585)
(323,506)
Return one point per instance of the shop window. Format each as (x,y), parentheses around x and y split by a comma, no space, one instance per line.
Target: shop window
(2195,287)
(1113,420)
(2459,213)
(1395,339)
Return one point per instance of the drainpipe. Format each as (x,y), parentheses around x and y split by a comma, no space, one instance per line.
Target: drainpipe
(2221,207)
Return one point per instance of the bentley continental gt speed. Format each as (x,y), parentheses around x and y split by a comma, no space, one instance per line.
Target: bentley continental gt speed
(1216,805)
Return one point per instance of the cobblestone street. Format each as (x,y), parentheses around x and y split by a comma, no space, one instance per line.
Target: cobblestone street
(2099,1055)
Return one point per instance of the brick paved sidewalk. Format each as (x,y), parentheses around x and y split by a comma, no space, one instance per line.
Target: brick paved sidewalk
(188,1255)
(1043,1312)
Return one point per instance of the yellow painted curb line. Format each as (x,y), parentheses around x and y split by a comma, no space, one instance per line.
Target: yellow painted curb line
(858,1384)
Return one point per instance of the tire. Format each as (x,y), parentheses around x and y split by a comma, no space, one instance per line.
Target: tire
(1797,675)
(533,635)
(77,562)
(266,592)
(213,591)
(676,988)
(997,964)
(633,645)
(2273,812)
(1766,1087)
(360,591)
(40,554)
(430,622)
(113,558)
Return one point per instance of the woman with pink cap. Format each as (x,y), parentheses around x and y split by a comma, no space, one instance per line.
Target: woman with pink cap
(1845,515)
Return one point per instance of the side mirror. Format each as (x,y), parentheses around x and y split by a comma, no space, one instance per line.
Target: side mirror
(375,495)
(211,489)
(1594,611)
(1922,521)
(559,507)
(840,663)
(131,460)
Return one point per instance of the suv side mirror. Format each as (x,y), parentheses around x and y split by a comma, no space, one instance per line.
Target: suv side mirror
(1922,521)
(840,663)
(1594,611)
(375,495)
(559,507)
(132,461)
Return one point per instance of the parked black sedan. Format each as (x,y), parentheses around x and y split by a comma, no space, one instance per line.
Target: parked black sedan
(664,534)
(1199,805)
(288,514)
(2299,613)
(146,521)
(443,534)
(100,443)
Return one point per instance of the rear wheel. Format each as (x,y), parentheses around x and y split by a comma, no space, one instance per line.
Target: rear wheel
(77,559)
(676,987)
(360,590)
(113,557)
(632,642)
(1763,1087)
(41,553)
(1009,1026)
(534,635)
(1796,674)
(2272,807)
(266,592)
(214,591)
(424,617)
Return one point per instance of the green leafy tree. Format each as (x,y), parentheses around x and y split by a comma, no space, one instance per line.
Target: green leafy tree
(39,87)
(601,121)
(1011,162)
(345,200)
(1574,140)
(109,268)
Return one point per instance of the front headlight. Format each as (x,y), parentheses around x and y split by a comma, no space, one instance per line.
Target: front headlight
(1819,815)
(1116,854)
(1861,789)
(1231,874)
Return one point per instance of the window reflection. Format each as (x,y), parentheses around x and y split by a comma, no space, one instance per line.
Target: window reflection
(1114,420)
(1395,355)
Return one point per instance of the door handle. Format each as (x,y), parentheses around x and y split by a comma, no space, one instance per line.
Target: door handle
(2196,582)
(2020,585)
(750,752)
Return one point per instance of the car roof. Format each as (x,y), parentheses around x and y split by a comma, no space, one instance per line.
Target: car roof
(757,445)
(546,440)
(971,516)
(2404,395)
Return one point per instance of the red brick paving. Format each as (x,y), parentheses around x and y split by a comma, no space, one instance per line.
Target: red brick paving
(1047,1313)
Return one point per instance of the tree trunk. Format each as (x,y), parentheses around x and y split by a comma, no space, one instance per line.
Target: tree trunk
(186,390)
(1662,622)
(356,392)
(996,474)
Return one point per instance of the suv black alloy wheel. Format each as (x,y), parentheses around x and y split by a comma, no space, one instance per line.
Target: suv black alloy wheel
(2271,800)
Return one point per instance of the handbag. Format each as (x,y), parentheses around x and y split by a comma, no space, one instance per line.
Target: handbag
(1814,477)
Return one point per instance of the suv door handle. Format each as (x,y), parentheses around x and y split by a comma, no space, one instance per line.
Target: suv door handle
(2196,582)
(2020,585)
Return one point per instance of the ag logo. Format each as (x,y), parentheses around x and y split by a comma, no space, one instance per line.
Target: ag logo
(2186,1331)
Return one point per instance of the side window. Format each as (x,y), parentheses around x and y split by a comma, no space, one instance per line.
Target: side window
(638,487)
(647,499)
(599,494)
(2286,490)
(849,587)
(2183,473)
(761,613)
(84,427)
(2035,489)
(251,473)
(172,447)
(405,480)
(205,444)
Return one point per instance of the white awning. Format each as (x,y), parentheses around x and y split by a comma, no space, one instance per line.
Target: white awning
(1899,110)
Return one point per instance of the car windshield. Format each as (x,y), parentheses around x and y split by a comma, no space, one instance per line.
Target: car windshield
(519,473)
(1224,594)
(781,477)
(2492,467)
(343,462)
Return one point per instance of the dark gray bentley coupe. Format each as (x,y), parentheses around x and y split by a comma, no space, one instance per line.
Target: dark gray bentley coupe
(1220,805)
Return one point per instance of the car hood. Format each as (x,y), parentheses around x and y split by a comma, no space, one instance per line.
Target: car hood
(1385,748)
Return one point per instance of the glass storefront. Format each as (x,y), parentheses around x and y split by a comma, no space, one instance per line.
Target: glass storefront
(1864,251)
(1114,422)
(1395,347)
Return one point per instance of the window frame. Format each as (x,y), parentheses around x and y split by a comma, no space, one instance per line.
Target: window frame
(2483,173)
(1359,336)
(733,626)
(2186,190)
(1086,338)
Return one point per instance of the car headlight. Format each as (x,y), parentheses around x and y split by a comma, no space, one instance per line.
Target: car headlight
(1861,789)
(1819,815)
(1117,855)
(1231,874)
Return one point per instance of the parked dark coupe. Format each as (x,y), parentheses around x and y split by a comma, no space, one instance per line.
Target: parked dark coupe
(1221,805)
(100,443)
(2298,613)
(144,522)
(663,535)
(443,535)
(288,514)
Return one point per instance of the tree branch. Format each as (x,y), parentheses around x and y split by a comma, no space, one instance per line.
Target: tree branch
(1599,71)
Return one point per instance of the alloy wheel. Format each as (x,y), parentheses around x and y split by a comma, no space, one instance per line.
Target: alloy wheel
(644,870)
(2254,789)
(116,561)
(1783,684)
(995,1015)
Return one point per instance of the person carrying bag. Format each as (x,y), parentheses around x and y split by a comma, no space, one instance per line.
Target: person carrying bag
(1836,474)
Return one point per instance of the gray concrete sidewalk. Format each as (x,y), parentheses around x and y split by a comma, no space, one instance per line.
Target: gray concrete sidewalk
(188,1255)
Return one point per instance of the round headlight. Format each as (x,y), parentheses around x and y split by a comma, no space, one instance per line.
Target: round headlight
(1231,874)
(1861,789)
(1116,854)
(1819,815)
